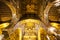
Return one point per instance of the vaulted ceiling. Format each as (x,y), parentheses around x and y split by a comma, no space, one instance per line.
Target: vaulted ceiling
(23,9)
